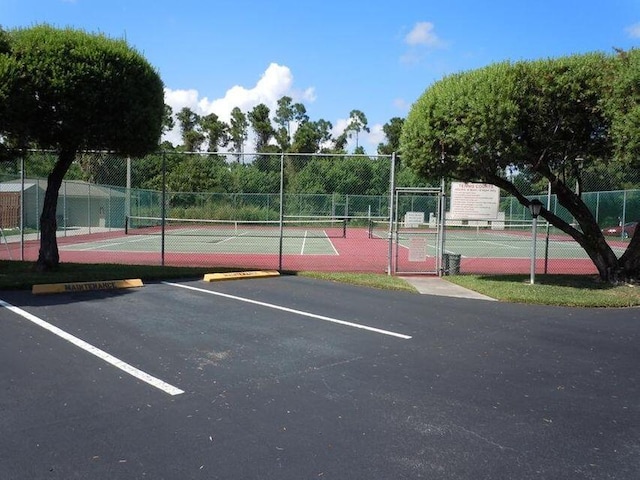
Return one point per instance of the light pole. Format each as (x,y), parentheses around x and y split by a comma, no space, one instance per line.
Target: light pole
(535,206)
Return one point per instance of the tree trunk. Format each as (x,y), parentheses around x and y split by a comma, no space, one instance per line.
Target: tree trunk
(49,258)
(590,238)
(630,260)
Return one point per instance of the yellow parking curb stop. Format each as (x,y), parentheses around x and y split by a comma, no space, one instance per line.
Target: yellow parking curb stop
(213,277)
(85,286)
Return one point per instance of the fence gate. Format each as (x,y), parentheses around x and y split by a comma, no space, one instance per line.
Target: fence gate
(418,230)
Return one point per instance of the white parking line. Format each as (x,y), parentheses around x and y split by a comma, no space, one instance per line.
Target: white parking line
(291,310)
(101,354)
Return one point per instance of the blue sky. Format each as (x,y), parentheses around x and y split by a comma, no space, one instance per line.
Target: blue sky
(333,56)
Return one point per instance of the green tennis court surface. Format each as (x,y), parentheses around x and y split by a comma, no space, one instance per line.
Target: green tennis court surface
(233,243)
(473,242)
(330,237)
(309,236)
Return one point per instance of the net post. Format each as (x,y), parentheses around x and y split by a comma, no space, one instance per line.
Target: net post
(126,224)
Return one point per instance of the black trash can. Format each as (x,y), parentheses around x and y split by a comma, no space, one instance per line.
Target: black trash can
(445,263)
(453,263)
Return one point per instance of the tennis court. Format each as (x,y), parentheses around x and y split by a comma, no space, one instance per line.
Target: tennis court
(483,243)
(485,249)
(510,241)
(329,244)
(148,234)
(300,244)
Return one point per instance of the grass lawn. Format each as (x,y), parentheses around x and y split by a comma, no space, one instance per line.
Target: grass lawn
(562,290)
(16,275)
(567,290)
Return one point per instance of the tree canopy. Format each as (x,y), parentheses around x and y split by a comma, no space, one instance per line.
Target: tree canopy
(68,90)
(624,107)
(552,118)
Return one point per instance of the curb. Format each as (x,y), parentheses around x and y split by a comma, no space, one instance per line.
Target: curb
(214,277)
(85,286)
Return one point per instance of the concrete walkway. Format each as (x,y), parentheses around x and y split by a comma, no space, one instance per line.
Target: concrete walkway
(430,285)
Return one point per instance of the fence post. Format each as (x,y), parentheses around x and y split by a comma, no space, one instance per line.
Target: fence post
(127,197)
(392,188)
(64,208)
(442,214)
(624,212)
(22,208)
(546,243)
(89,206)
(163,207)
(281,215)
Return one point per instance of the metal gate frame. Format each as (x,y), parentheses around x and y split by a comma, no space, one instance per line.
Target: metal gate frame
(394,244)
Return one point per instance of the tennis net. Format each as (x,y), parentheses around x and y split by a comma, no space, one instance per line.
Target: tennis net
(318,227)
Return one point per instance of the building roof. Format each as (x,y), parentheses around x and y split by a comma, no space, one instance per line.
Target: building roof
(69,188)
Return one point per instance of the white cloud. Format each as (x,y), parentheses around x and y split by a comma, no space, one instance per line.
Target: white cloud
(177,99)
(368,140)
(423,34)
(339,126)
(402,105)
(633,30)
(421,40)
(275,82)
(375,137)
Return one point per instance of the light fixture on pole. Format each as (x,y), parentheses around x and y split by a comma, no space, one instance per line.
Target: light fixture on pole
(535,207)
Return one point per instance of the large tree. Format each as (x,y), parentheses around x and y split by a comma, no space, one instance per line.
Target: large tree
(357,123)
(216,131)
(238,131)
(261,124)
(286,113)
(190,129)
(624,107)
(69,90)
(392,131)
(546,117)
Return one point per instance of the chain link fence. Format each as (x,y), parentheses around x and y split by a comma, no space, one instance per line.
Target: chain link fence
(285,212)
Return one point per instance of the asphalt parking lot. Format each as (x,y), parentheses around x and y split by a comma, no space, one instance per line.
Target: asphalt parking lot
(295,378)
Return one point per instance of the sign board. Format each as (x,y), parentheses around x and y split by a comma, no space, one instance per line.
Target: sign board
(417,249)
(413,219)
(474,201)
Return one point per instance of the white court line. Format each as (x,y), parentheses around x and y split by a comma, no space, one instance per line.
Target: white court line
(433,247)
(101,354)
(304,241)
(331,243)
(113,244)
(491,242)
(227,239)
(291,310)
